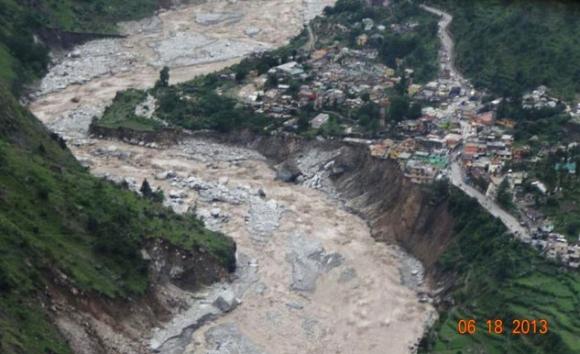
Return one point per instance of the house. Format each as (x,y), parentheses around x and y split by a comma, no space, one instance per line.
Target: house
(570,167)
(540,186)
(290,68)
(520,153)
(381,149)
(534,215)
(319,120)
(470,149)
(486,119)
(413,89)
(452,140)
(362,40)
(495,146)
(419,172)
(557,247)
(574,255)
(389,73)
(505,155)
(516,178)
(506,123)
(319,54)
(507,139)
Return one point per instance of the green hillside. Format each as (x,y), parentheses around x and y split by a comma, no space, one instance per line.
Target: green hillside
(55,216)
(22,59)
(497,278)
(511,46)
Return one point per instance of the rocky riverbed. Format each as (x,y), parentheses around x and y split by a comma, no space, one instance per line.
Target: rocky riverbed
(311,279)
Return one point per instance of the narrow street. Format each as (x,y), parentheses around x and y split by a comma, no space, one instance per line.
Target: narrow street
(456,173)
(456,178)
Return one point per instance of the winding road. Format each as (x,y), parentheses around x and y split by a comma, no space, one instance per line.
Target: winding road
(456,174)
(512,223)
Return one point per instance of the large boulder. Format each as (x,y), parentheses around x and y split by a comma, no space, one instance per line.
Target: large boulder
(227,301)
(288,172)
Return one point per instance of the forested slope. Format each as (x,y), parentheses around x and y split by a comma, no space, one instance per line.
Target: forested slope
(56,220)
(23,58)
(493,278)
(512,46)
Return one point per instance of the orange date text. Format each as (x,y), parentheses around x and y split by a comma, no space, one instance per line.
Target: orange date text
(515,327)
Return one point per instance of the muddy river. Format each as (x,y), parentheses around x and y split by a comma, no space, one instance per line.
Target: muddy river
(310,279)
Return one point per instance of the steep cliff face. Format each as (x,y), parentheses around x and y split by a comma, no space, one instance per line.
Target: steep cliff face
(397,210)
(475,268)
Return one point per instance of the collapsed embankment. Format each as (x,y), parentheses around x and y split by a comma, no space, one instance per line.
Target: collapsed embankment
(397,210)
(95,324)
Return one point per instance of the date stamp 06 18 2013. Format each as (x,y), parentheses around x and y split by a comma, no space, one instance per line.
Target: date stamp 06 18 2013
(495,326)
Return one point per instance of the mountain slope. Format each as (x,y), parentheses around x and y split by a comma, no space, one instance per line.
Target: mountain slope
(23,58)
(57,219)
(512,46)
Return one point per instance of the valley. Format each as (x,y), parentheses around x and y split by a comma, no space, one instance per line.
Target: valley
(376,197)
(310,277)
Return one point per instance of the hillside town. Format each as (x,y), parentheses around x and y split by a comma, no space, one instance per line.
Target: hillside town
(455,126)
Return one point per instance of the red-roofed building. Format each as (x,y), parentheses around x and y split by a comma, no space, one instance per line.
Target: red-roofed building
(486,118)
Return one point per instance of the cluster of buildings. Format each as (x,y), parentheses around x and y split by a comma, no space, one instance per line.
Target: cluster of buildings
(420,159)
(331,79)
(539,99)
(556,247)
(456,127)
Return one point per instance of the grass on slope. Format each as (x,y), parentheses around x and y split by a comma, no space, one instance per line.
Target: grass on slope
(497,278)
(55,217)
(193,105)
(22,59)
(121,114)
(512,46)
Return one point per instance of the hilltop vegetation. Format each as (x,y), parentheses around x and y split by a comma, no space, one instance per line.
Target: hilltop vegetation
(513,46)
(499,278)
(23,59)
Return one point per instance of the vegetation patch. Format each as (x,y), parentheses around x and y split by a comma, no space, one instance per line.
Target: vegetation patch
(56,218)
(500,278)
(514,46)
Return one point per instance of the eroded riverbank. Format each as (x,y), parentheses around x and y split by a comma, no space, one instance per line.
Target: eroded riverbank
(311,278)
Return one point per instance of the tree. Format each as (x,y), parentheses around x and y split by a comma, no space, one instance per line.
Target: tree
(331,128)
(399,108)
(365,97)
(504,196)
(241,72)
(163,78)
(146,189)
(415,111)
